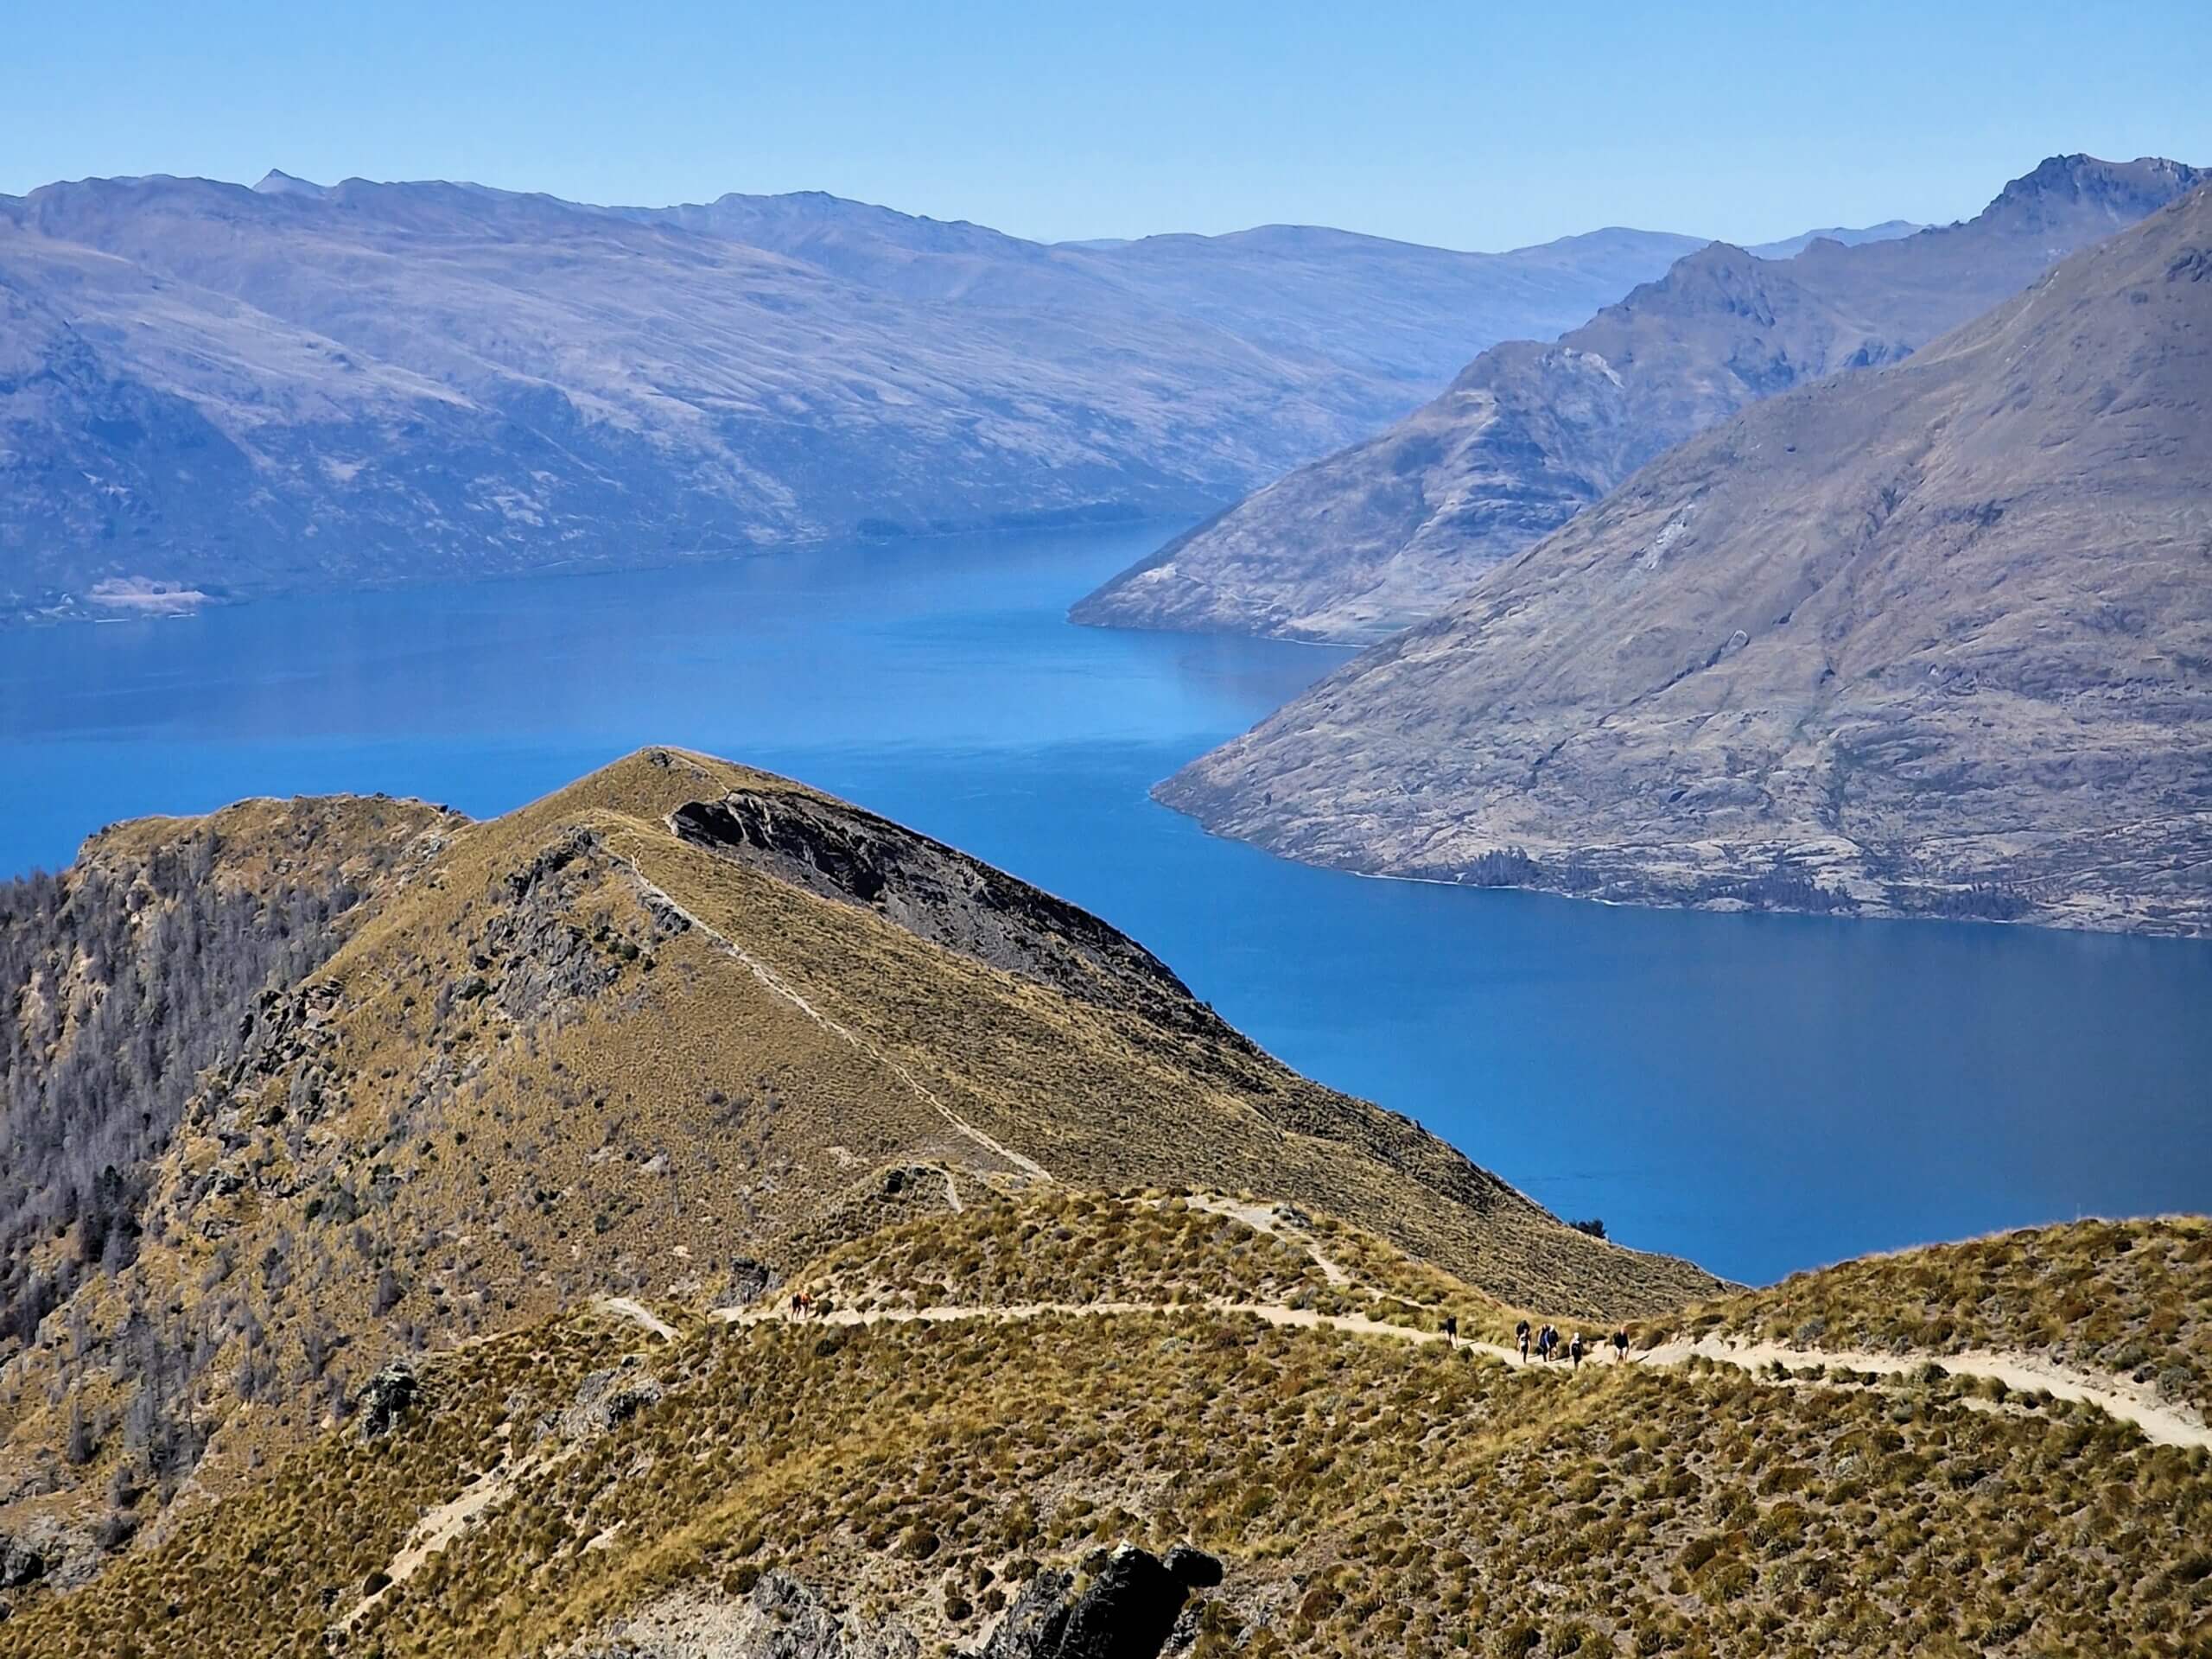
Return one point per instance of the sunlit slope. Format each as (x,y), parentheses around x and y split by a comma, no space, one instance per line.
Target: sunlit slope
(2127,1300)
(895,1473)
(672,1031)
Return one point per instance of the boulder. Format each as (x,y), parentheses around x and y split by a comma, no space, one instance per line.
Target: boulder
(386,1398)
(1127,1611)
(20,1564)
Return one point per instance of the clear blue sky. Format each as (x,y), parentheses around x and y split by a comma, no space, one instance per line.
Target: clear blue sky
(1468,125)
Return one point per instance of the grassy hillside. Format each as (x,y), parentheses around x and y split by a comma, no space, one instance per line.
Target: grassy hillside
(2129,1298)
(673,1031)
(591,1488)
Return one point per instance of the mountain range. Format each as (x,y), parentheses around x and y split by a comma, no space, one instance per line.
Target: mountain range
(694,1217)
(216,390)
(1389,531)
(1934,637)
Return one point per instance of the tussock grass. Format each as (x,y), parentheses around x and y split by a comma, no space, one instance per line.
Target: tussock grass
(2132,1298)
(1368,1497)
(528,1077)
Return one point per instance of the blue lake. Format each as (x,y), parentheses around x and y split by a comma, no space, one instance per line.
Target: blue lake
(1758,1092)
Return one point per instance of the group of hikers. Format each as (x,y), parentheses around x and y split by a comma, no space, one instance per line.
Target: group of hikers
(1546,1342)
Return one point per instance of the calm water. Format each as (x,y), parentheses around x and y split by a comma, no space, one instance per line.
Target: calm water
(1761,1093)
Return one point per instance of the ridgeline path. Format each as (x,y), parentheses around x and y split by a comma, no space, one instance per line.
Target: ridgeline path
(2161,1424)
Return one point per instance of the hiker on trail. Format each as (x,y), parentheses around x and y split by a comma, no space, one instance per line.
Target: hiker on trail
(1452,1329)
(1620,1345)
(1546,1339)
(1575,1350)
(1521,1336)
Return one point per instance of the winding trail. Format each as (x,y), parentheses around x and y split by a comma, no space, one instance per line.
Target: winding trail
(775,983)
(637,1312)
(2161,1424)
(2025,1373)
(1262,1217)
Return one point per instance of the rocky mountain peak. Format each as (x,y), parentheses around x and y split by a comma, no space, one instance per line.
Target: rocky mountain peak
(2065,185)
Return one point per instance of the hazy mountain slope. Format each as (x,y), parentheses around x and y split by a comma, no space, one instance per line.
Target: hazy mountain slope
(756,1486)
(1791,246)
(1388,308)
(244,390)
(1931,637)
(1392,530)
(678,1026)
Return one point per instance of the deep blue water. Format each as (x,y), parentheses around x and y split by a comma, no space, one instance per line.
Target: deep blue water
(1760,1093)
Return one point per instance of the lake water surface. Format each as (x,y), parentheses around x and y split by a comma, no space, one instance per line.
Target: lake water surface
(1758,1092)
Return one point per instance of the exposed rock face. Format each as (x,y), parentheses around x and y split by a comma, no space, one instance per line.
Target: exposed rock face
(1127,1611)
(386,1398)
(1935,638)
(207,389)
(781,1618)
(1390,531)
(937,893)
(609,1399)
(20,1564)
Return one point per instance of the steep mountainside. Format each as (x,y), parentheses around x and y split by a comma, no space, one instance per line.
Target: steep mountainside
(1391,530)
(1935,638)
(1161,1422)
(225,390)
(673,1030)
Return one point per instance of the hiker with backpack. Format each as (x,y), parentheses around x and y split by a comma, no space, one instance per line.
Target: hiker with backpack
(1620,1345)
(1521,1336)
(1575,1350)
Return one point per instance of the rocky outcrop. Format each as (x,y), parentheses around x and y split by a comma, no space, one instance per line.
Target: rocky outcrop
(779,1617)
(609,1398)
(20,1564)
(941,894)
(386,1398)
(1128,1609)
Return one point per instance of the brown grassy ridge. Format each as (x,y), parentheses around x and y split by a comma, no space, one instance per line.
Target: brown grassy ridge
(527,1077)
(1367,1495)
(2131,1297)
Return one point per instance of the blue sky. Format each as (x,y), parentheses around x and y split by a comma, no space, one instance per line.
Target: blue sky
(1467,125)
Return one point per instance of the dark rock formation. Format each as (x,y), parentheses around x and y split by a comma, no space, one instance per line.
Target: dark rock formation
(386,1398)
(19,1564)
(941,894)
(1127,1611)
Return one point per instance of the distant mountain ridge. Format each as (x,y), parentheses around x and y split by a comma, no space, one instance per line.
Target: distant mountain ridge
(1388,531)
(1789,246)
(1935,638)
(241,391)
